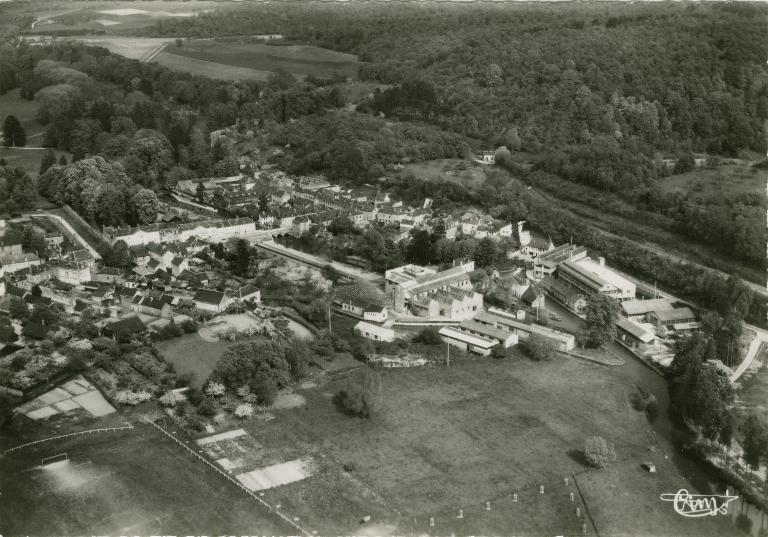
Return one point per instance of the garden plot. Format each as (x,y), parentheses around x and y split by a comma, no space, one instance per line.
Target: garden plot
(230,326)
(72,395)
(277,474)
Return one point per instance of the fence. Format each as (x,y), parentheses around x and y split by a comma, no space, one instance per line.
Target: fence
(230,478)
(127,426)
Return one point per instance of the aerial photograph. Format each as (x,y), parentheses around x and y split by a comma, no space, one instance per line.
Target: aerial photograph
(378,268)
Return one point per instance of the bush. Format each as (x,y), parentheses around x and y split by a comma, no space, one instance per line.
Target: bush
(189,326)
(597,452)
(362,395)
(538,348)
(499,352)
(207,408)
(265,390)
(428,336)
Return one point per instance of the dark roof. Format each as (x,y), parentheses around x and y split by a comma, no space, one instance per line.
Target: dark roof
(128,325)
(177,261)
(530,295)
(80,305)
(81,255)
(32,299)
(152,302)
(247,290)
(208,296)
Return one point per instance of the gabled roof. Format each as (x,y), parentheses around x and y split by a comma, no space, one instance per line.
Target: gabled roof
(128,325)
(530,295)
(208,296)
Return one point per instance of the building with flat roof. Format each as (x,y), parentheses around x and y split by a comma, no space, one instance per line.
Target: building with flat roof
(546,264)
(428,293)
(375,332)
(593,277)
(638,310)
(632,334)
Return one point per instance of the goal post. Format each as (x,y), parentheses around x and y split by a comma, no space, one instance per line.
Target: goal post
(55,458)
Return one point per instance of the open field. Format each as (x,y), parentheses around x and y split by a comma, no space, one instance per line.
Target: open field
(731,178)
(192,354)
(135,48)
(450,439)
(207,68)
(126,483)
(753,395)
(298,60)
(460,171)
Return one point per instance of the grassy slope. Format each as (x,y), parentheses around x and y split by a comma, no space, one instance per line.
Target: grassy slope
(124,483)
(294,59)
(191,354)
(210,69)
(450,439)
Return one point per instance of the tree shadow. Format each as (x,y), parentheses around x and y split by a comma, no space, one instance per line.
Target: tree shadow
(578,456)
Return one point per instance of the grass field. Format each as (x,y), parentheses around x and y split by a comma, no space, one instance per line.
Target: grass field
(124,483)
(192,354)
(27,158)
(460,171)
(298,60)
(730,178)
(207,68)
(450,439)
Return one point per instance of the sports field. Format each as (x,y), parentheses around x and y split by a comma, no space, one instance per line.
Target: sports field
(454,438)
(227,59)
(124,483)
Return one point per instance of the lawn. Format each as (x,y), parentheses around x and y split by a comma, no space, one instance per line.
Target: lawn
(124,483)
(454,438)
(192,354)
(298,60)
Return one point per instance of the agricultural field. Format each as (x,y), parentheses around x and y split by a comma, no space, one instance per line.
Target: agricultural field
(124,483)
(208,69)
(298,60)
(455,438)
(107,17)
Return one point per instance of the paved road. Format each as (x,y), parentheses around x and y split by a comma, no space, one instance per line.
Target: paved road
(70,229)
(761,336)
(341,268)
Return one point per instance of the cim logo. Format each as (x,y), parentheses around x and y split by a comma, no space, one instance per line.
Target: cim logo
(698,505)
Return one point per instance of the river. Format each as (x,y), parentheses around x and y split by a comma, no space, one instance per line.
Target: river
(670,438)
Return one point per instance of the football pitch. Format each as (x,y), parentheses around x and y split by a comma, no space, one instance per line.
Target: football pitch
(135,483)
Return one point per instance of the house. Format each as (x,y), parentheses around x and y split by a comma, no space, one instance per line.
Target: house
(300,225)
(375,332)
(568,296)
(15,262)
(124,328)
(83,257)
(211,230)
(248,292)
(353,306)
(108,275)
(375,313)
(486,157)
(178,265)
(467,341)
(531,245)
(209,300)
(152,306)
(280,197)
(532,297)
(139,254)
(414,286)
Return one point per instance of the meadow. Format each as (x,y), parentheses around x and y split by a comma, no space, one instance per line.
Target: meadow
(480,431)
(734,178)
(192,354)
(124,483)
(298,60)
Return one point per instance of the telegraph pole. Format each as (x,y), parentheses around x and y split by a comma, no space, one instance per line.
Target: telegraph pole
(329,319)
(448,355)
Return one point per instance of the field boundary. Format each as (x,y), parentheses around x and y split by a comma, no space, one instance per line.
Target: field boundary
(584,503)
(230,478)
(126,427)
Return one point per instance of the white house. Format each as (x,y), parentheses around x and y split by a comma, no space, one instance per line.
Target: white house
(209,300)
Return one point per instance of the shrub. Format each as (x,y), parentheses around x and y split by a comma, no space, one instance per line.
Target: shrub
(169,399)
(362,395)
(597,452)
(538,348)
(428,336)
(244,411)
(207,408)
(214,389)
(265,390)
(189,326)
(499,352)
(128,397)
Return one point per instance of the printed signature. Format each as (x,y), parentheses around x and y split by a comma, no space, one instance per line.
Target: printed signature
(696,505)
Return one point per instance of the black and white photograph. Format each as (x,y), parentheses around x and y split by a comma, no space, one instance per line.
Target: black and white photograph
(383,268)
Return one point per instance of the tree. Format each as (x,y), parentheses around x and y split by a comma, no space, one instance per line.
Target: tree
(600,322)
(13,132)
(499,352)
(63,160)
(44,315)
(169,399)
(18,309)
(539,348)
(361,396)
(146,205)
(240,258)
(214,389)
(200,193)
(49,159)
(244,411)
(755,441)
(265,389)
(597,452)
(487,252)
(502,156)
(428,336)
